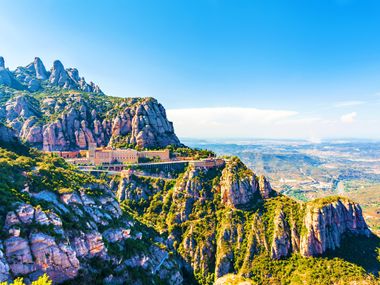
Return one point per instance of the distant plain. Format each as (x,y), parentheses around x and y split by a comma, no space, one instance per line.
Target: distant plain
(306,171)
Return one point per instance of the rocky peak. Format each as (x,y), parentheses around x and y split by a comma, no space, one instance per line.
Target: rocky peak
(327,221)
(74,74)
(240,187)
(58,74)
(34,74)
(2,63)
(39,68)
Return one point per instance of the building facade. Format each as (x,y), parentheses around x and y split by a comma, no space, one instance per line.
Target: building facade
(107,155)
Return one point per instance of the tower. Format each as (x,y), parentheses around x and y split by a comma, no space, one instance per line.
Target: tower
(91,152)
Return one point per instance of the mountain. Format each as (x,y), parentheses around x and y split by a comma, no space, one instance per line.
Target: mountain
(199,225)
(34,77)
(230,221)
(67,114)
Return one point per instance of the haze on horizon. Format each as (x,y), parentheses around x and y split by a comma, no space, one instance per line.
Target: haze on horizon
(265,69)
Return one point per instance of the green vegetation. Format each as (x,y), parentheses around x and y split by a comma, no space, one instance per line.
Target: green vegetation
(194,153)
(42,280)
(212,234)
(313,271)
(321,202)
(29,170)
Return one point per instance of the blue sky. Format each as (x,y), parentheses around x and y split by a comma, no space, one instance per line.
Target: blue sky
(278,69)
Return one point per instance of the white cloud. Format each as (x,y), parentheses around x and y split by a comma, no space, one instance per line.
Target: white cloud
(226,121)
(348,118)
(348,104)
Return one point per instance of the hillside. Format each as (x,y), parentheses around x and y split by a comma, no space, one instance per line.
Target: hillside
(57,220)
(189,230)
(229,220)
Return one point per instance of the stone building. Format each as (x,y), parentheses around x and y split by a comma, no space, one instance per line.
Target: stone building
(98,156)
(207,163)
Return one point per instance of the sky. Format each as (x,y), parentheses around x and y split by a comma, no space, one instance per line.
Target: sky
(295,69)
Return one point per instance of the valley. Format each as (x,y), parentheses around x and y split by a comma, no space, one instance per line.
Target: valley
(306,171)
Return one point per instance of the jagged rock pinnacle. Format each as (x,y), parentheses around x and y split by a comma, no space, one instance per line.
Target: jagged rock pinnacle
(2,64)
(58,74)
(40,69)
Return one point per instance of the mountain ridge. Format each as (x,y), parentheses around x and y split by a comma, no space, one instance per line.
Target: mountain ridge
(34,77)
(65,113)
(195,226)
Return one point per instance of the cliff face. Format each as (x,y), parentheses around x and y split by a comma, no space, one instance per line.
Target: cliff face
(326,224)
(7,135)
(72,121)
(240,187)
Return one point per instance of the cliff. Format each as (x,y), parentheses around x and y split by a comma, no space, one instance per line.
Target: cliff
(326,221)
(73,120)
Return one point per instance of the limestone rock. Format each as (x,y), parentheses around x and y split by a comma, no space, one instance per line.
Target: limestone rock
(326,225)
(4,267)
(58,261)
(238,185)
(5,75)
(281,245)
(37,68)
(19,256)
(59,75)
(90,245)
(7,135)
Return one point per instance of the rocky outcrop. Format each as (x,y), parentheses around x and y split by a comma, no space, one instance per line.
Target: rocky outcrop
(76,122)
(38,241)
(7,135)
(21,108)
(5,75)
(4,266)
(186,192)
(240,187)
(134,189)
(58,75)
(59,261)
(225,234)
(7,78)
(34,77)
(281,244)
(327,223)
(37,68)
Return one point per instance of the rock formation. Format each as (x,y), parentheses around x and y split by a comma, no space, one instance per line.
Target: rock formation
(34,77)
(7,135)
(38,68)
(221,219)
(326,224)
(240,187)
(74,121)
(39,241)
